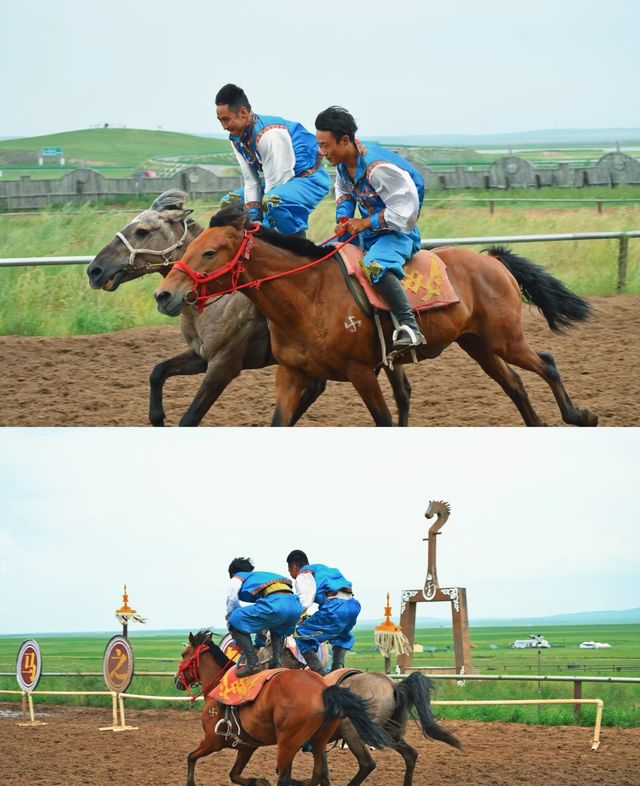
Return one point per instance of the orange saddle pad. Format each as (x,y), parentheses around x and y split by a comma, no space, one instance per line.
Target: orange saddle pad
(426,281)
(234,690)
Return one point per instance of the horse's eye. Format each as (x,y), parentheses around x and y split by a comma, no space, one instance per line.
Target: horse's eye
(209,254)
(141,232)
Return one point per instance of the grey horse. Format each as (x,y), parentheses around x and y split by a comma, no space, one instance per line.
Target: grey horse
(229,336)
(391,704)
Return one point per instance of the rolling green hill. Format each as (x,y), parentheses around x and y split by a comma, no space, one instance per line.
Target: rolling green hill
(124,147)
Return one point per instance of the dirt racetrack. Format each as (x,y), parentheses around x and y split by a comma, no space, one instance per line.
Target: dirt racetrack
(71,751)
(102,380)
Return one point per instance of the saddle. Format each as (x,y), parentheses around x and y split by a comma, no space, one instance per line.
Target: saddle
(235,691)
(426,281)
(338,676)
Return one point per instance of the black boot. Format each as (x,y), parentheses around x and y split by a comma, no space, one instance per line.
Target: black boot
(277,645)
(313,662)
(251,665)
(408,333)
(337,661)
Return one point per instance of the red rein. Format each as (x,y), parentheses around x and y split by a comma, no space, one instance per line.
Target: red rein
(197,295)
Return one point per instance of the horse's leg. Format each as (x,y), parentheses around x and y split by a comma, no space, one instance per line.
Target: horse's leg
(366,763)
(209,744)
(506,377)
(238,766)
(295,392)
(315,390)
(401,391)
(542,363)
(410,756)
(184,364)
(324,775)
(365,381)
(221,370)
(284,761)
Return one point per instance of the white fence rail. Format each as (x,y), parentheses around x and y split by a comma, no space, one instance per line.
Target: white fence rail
(622,237)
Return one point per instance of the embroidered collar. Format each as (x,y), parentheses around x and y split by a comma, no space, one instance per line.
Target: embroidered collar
(361,168)
(244,140)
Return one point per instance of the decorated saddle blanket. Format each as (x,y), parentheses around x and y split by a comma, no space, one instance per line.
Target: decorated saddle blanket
(233,690)
(339,675)
(426,281)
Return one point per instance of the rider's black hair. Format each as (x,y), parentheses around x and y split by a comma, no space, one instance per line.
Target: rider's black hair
(338,122)
(240,564)
(234,97)
(297,558)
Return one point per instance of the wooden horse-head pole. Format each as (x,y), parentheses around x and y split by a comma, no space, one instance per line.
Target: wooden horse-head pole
(441,510)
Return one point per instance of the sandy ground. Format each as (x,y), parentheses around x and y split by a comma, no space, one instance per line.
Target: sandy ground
(102,380)
(71,751)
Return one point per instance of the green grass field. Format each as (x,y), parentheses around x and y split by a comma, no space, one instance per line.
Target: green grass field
(58,301)
(491,655)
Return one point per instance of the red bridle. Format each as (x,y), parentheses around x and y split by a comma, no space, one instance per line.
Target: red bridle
(189,671)
(197,296)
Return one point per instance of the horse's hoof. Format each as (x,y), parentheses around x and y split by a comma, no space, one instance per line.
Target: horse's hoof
(157,420)
(258,782)
(588,418)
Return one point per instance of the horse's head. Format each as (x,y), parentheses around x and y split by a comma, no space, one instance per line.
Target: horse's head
(208,253)
(150,243)
(437,508)
(190,671)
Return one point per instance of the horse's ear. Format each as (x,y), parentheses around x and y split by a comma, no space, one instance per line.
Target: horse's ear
(192,640)
(232,216)
(173,199)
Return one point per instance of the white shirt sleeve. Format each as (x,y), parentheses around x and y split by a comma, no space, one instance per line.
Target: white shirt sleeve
(278,159)
(252,185)
(305,588)
(399,194)
(233,601)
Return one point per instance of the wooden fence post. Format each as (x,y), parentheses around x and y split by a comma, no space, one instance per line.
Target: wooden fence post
(622,263)
(577,694)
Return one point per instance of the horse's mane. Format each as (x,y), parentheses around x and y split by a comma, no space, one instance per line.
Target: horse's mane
(235,216)
(205,636)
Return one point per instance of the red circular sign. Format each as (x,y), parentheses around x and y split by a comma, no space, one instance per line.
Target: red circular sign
(117,664)
(28,665)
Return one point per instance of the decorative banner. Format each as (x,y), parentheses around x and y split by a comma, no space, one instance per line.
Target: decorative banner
(28,665)
(117,664)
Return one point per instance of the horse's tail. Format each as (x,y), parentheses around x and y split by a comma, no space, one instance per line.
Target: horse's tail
(414,692)
(560,306)
(342,703)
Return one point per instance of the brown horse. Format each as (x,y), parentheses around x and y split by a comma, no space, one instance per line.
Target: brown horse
(292,708)
(227,338)
(312,333)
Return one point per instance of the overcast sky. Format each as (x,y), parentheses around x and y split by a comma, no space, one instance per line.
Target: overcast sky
(403,67)
(542,522)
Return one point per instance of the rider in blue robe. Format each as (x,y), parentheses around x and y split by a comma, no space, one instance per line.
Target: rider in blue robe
(388,191)
(279,161)
(336,615)
(273,606)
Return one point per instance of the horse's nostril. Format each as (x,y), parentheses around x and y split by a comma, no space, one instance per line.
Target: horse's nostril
(162,297)
(95,273)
